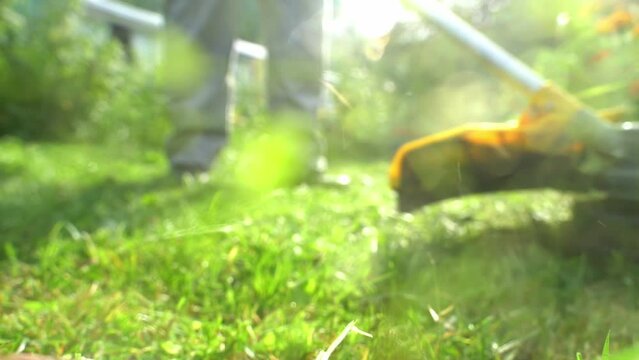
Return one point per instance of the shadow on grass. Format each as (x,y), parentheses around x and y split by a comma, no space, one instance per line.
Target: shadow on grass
(533,290)
(599,230)
(27,218)
(10,170)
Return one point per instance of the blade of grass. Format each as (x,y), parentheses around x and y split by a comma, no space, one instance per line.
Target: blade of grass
(605,353)
(326,354)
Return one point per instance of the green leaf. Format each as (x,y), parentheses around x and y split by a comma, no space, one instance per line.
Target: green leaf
(270,340)
(605,354)
(171,348)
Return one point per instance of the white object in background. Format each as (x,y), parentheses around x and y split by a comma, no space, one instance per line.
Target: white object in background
(134,18)
(252,50)
(245,77)
(486,48)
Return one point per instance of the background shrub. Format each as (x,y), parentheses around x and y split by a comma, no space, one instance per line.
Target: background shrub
(62,81)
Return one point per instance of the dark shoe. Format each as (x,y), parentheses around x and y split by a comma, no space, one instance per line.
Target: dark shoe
(190,175)
(194,154)
(331,180)
(317,175)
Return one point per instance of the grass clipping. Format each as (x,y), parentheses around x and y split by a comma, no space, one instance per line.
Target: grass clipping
(326,354)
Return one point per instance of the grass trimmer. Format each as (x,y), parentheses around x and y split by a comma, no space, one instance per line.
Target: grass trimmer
(557,141)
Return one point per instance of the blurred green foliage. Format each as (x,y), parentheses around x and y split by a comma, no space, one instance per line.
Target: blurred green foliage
(98,243)
(59,81)
(425,82)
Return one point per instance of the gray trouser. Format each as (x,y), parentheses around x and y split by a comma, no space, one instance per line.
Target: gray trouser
(292,34)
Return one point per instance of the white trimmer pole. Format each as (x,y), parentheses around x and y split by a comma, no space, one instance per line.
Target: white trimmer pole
(130,17)
(488,50)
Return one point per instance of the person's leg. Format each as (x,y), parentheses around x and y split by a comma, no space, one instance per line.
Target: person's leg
(293,36)
(199,111)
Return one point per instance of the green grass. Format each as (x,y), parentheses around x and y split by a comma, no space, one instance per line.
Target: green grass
(103,256)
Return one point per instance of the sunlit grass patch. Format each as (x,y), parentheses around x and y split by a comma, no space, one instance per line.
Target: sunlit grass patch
(104,256)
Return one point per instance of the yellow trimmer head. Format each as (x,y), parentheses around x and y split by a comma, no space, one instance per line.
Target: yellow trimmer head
(557,141)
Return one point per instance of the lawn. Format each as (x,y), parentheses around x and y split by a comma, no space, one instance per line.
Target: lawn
(104,256)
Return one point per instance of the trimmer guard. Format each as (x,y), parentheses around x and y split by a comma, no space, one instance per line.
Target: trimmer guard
(477,158)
